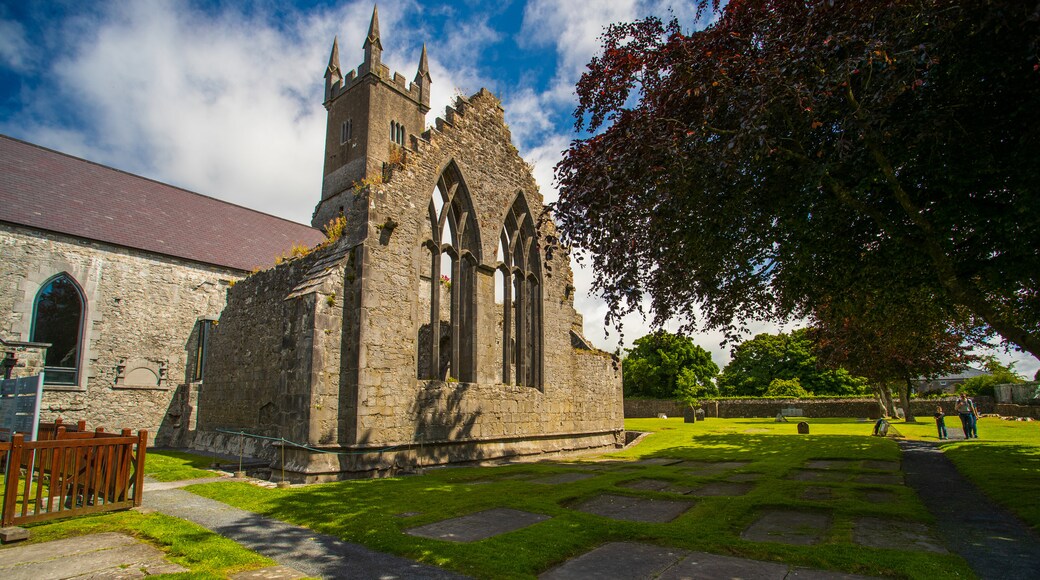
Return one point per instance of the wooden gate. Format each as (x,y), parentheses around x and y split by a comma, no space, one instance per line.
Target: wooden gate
(75,473)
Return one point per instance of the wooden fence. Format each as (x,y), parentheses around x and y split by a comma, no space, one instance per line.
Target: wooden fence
(72,473)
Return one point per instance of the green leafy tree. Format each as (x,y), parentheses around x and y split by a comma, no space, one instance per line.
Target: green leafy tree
(874,330)
(999,374)
(756,363)
(791,388)
(664,365)
(743,170)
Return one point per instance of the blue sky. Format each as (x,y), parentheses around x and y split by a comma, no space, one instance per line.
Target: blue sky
(223,97)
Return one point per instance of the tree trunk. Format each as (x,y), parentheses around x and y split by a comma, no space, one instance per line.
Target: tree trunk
(882,408)
(886,399)
(904,399)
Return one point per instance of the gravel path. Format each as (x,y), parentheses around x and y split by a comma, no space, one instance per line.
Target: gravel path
(994,541)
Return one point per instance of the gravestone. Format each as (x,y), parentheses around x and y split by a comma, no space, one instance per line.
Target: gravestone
(803,428)
(788,527)
(478,526)
(634,509)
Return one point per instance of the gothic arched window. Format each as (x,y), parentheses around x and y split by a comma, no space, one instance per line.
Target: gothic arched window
(447,343)
(58,319)
(520,264)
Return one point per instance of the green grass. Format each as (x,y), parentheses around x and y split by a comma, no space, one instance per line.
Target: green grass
(176,465)
(376,512)
(204,553)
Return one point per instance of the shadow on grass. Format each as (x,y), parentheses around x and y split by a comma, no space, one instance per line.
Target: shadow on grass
(777,448)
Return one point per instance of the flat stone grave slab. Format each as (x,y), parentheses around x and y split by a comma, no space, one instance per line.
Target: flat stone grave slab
(106,555)
(817,475)
(658,461)
(634,509)
(811,574)
(702,565)
(478,526)
(788,527)
(717,488)
(619,560)
(880,478)
(881,465)
(833,464)
(954,432)
(569,477)
(626,560)
(816,493)
(749,476)
(711,467)
(655,485)
(895,535)
(646,484)
(879,496)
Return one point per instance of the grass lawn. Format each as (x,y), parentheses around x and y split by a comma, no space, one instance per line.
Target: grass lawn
(204,553)
(164,465)
(376,512)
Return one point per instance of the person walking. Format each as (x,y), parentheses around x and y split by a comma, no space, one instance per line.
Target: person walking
(940,422)
(974,418)
(965,408)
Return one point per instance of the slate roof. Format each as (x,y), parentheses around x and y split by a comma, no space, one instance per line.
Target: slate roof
(52,191)
(966,373)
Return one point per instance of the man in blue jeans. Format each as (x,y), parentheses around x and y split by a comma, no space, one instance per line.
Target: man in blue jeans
(965,408)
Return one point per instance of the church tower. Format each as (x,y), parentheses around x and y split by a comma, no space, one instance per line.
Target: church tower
(373,118)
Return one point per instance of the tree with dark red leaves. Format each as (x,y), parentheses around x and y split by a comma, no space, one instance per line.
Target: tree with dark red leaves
(757,168)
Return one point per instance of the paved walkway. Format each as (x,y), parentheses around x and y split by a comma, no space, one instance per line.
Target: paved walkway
(299,548)
(994,541)
(107,555)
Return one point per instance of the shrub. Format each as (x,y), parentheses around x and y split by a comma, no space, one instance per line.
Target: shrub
(786,388)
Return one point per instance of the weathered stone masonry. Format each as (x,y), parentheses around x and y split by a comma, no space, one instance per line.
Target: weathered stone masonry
(141,315)
(334,350)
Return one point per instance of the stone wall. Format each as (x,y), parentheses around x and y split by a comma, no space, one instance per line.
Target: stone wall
(324,350)
(1012,410)
(578,397)
(274,361)
(140,320)
(1018,394)
(744,408)
(28,357)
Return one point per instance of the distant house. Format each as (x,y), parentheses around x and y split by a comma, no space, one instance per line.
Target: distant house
(948,383)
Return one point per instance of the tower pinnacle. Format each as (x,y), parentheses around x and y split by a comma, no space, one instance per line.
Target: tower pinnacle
(424,67)
(373,47)
(373,30)
(333,75)
(422,80)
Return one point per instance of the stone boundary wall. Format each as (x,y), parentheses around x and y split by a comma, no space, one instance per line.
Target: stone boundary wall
(743,408)
(1018,394)
(1009,410)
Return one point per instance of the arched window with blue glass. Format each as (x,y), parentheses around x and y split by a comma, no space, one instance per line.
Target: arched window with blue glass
(58,319)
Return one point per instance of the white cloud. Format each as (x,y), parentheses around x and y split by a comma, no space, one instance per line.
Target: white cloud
(228,105)
(15,52)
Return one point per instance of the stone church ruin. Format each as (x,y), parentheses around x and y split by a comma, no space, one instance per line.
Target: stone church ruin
(434,330)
